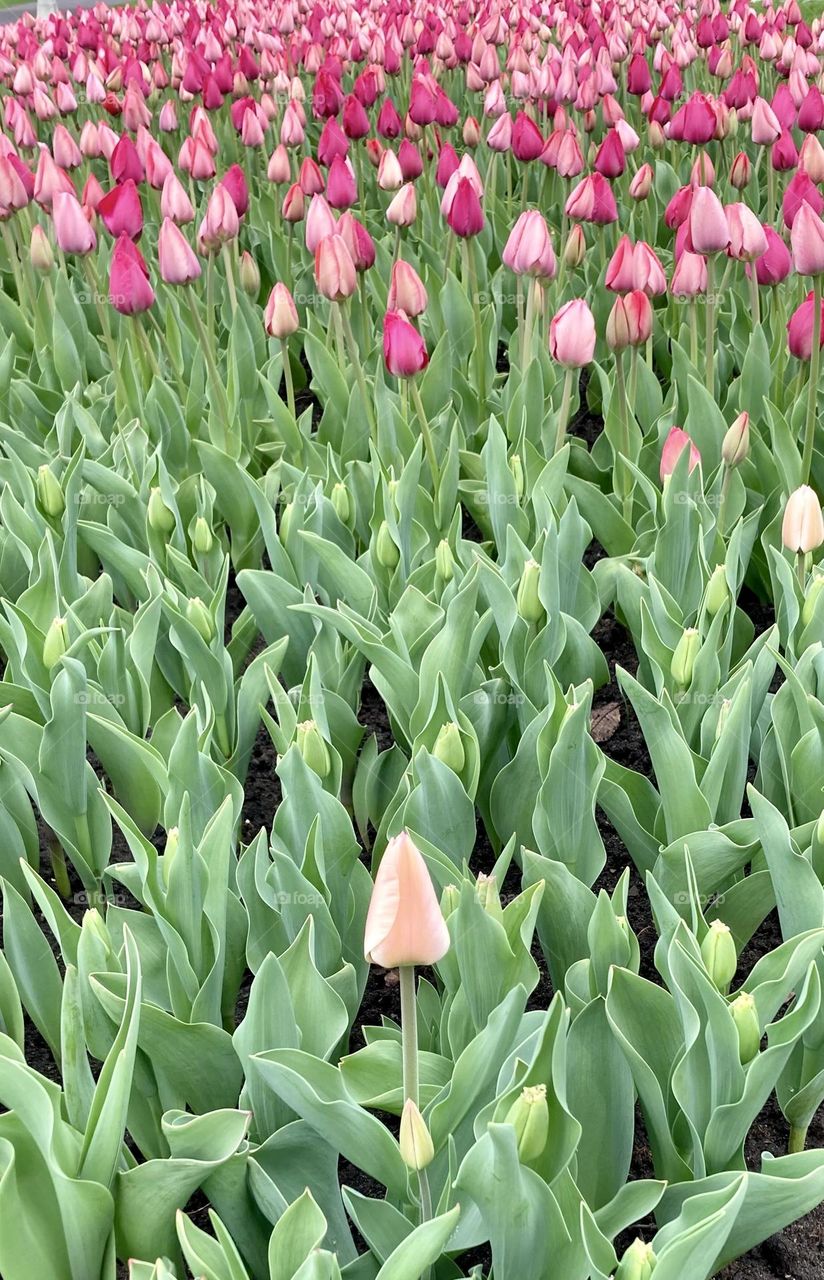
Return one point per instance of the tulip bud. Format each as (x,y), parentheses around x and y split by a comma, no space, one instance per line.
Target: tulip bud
(202,539)
(286,521)
(170,852)
(718,592)
(450,898)
(341,502)
(723,717)
(449,748)
(527,600)
(719,954)
(736,444)
(575,247)
(201,619)
(387,552)
(161,519)
(488,896)
(313,748)
(249,273)
(93,923)
(56,643)
(517,469)
(802,529)
(638,1262)
(443,561)
(745,1017)
(41,254)
(49,493)
(529,1116)
(404,924)
(811,599)
(741,171)
(417,1150)
(683,659)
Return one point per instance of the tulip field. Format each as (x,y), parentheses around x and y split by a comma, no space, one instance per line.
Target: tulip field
(412,641)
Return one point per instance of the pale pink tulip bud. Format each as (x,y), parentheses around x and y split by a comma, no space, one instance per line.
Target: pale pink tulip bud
(40,251)
(335,273)
(176,258)
(747,237)
(404,923)
(807,241)
(528,251)
(64,149)
(279,169)
(641,184)
(174,200)
(802,529)
(167,120)
(320,222)
(406,290)
(689,279)
(572,335)
(281,315)
(71,229)
(403,208)
(674,445)
(390,174)
(708,224)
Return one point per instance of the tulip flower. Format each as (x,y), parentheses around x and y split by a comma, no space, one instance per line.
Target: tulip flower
(176,258)
(406,290)
(528,251)
(121,211)
(404,924)
(674,445)
(572,335)
(802,528)
(71,227)
(463,211)
(807,240)
(129,289)
(334,269)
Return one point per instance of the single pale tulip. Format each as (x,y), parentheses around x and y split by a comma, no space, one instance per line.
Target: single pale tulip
(802,528)
(404,924)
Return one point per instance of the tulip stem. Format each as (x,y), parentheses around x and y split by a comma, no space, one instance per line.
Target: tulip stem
(693,305)
(472,280)
(812,386)
(230,277)
(427,438)
(755,302)
(710,328)
(287,376)
(623,478)
(409,1051)
(563,416)
(218,390)
(358,367)
(798,1139)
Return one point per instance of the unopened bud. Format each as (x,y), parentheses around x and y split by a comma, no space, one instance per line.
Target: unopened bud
(170,852)
(718,592)
(723,717)
(488,896)
(161,518)
(719,954)
(201,619)
(638,1262)
(575,247)
(449,900)
(49,493)
(517,469)
(527,600)
(56,642)
(449,748)
(444,563)
(745,1017)
(202,538)
(529,1116)
(683,659)
(415,1141)
(387,552)
(41,254)
(341,502)
(736,444)
(811,599)
(249,274)
(313,748)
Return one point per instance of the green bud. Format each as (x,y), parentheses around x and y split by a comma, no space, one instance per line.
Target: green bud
(746,1024)
(811,598)
(444,563)
(529,1115)
(161,519)
(449,900)
(56,642)
(313,748)
(723,717)
(341,502)
(638,1262)
(286,521)
(170,852)
(718,592)
(94,923)
(387,552)
(719,954)
(49,493)
(736,443)
(417,1149)
(200,618)
(683,659)
(202,539)
(517,469)
(527,600)
(488,896)
(249,274)
(449,748)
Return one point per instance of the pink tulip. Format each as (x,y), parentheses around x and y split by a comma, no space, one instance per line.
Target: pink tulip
(807,240)
(800,328)
(674,445)
(281,314)
(406,290)
(174,200)
(129,288)
(404,923)
(176,258)
(463,212)
(775,264)
(71,227)
(709,232)
(121,211)
(357,240)
(747,237)
(320,223)
(641,184)
(802,529)
(689,279)
(764,124)
(620,276)
(334,269)
(572,335)
(404,350)
(528,251)
(403,207)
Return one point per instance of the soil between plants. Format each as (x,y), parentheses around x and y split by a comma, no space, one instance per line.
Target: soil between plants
(797,1252)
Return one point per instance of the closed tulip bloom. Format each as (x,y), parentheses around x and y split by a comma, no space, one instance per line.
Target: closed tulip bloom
(800,329)
(40,251)
(404,350)
(174,200)
(674,445)
(775,264)
(334,269)
(764,124)
(592,201)
(71,227)
(280,317)
(747,237)
(221,222)
(802,528)
(390,174)
(740,171)
(709,232)
(641,184)
(630,321)
(279,169)
(575,247)
(404,924)
(572,335)
(620,276)
(610,161)
(528,251)
(689,279)
(406,290)
(129,289)
(811,158)
(403,207)
(341,188)
(357,240)
(121,210)
(807,240)
(320,223)
(464,213)
(294,204)
(647,272)
(176,259)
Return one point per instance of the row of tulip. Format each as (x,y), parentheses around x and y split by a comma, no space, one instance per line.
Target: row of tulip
(375,355)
